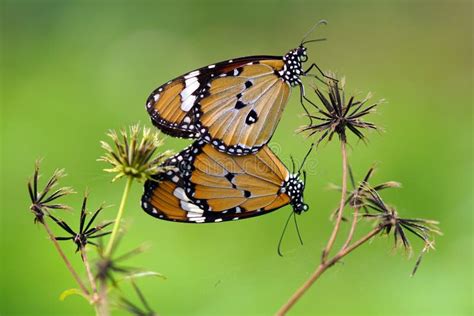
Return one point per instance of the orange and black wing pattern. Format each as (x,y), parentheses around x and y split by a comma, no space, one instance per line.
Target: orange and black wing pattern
(209,186)
(235,105)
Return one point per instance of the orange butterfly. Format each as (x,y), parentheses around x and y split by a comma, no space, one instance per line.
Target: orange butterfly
(206,185)
(235,105)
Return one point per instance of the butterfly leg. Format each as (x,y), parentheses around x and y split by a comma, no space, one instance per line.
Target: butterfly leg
(314,65)
(304,98)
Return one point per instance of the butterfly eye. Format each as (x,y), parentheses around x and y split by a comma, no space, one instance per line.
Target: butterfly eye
(304,58)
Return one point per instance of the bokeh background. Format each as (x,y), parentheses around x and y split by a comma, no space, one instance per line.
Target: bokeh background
(72,70)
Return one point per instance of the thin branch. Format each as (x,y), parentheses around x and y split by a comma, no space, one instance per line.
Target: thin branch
(65,259)
(95,299)
(342,202)
(103,303)
(322,268)
(353,227)
(89,272)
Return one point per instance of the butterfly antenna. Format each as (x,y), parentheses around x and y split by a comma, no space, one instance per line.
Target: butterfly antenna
(311,30)
(314,40)
(282,235)
(293,166)
(297,229)
(306,156)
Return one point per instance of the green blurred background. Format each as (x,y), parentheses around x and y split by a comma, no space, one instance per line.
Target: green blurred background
(72,70)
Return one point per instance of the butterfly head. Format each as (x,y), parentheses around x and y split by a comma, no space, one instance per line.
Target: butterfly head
(301,53)
(294,187)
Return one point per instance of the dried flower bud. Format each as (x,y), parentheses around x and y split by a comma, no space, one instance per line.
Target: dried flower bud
(42,201)
(338,115)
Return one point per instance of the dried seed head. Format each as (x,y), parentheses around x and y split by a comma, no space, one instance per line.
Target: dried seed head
(339,114)
(42,200)
(86,232)
(134,154)
(357,197)
(390,222)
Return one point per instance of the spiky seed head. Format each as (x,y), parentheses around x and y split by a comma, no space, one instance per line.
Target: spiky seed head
(134,153)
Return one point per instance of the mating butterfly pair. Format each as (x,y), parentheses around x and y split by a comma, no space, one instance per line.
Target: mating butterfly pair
(232,108)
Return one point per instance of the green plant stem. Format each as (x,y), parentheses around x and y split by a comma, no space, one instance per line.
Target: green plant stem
(342,203)
(322,268)
(118,218)
(65,259)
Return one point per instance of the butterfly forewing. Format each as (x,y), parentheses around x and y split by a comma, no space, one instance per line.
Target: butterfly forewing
(235,105)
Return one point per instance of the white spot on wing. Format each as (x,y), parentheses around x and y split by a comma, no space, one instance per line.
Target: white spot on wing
(197,219)
(190,81)
(192,74)
(179,193)
(192,209)
(188,103)
(191,85)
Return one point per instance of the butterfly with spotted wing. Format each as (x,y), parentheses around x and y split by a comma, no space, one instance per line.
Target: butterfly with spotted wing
(235,105)
(206,185)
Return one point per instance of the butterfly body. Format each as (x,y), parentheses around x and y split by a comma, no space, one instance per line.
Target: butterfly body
(206,185)
(235,105)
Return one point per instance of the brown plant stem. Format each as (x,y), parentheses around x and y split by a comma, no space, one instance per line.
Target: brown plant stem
(65,259)
(95,299)
(90,276)
(322,268)
(342,203)
(102,308)
(352,229)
